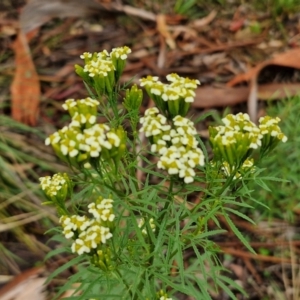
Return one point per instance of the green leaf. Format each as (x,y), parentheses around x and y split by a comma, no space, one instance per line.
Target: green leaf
(241,215)
(75,261)
(238,233)
(56,252)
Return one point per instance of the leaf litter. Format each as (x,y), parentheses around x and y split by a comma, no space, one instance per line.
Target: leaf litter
(222,49)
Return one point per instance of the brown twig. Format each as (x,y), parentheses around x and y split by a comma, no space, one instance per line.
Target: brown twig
(248,255)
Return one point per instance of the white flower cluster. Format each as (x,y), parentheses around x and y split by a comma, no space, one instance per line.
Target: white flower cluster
(176,145)
(141,224)
(235,141)
(239,128)
(164,298)
(103,210)
(82,111)
(83,139)
(154,124)
(89,233)
(179,87)
(96,138)
(53,185)
(104,63)
(120,52)
(269,126)
(97,63)
(65,141)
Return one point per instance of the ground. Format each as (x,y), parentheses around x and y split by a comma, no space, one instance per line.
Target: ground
(211,42)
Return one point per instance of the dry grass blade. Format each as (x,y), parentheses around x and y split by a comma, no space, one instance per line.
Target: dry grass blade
(22,154)
(19,220)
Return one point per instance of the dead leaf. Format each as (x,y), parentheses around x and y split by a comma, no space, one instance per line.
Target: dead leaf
(209,97)
(161,60)
(27,285)
(238,270)
(222,47)
(163,30)
(38,12)
(8,27)
(276,43)
(236,25)
(71,292)
(137,12)
(25,88)
(206,20)
(289,58)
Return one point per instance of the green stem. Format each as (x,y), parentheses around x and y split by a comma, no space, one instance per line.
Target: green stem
(110,187)
(140,285)
(126,285)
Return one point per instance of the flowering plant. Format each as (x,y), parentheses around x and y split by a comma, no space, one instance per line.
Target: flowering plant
(127,208)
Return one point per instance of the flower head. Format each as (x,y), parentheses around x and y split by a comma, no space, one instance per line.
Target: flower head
(172,99)
(271,132)
(90,233)
(83,140)
(151,223)
(162,295)
(234,142)
(102,70)
(175,143)
(102,209)
(57,188)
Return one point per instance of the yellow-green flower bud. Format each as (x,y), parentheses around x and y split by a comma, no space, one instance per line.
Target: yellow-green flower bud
(162,295)
(118,151)
(103,259)
(85,77)
(133,99)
